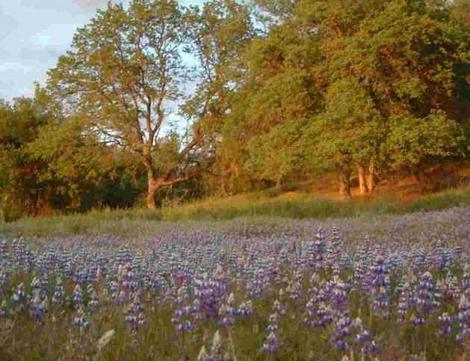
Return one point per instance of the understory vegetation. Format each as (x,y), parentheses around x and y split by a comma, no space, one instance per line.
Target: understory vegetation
(255,206)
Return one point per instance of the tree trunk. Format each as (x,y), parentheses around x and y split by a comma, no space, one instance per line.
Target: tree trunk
(372,176)
(345,183)
(152,189)
(361,174)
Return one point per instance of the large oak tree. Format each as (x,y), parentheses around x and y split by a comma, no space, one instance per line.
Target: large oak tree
(123,73)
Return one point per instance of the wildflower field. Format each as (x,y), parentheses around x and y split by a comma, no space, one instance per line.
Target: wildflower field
(375,288)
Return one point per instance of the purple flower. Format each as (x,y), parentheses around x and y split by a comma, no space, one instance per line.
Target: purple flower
(446,324)
(134,314)
(38,307)
(93,301)
(77,296)
(58,298)
(463,318)
(80,320)
(18,298)
(425,298)
(271,344)
(341,331)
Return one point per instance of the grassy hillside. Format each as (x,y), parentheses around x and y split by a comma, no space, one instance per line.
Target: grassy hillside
(287,205)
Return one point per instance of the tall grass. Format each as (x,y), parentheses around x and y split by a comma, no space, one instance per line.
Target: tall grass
(128,222)
(309,206)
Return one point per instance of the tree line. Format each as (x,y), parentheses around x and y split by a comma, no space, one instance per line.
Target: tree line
(155,100)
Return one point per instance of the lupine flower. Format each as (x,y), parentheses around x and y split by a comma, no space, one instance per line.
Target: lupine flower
(58,297)
(245,309)
(446,323)
(464,318)
(77,296)
(466,279)
(134,314)
(339,295)
(226,313)
(450,287)
(404,301)
(341,332)
(364,339)
(182,318)
(210,294)
(18,298)
(381,302)
(3,248)
(93,301)
(80,320)
(294,290)
(271,345)
(194,274)
(426,298)
(319,248)
(38,307)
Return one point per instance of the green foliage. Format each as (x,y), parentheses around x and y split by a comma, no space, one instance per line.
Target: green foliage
(281,91)
(123,70)
(326,85)
(348,131)
(20,189)
(276,155)
(51,164)
(83,171)
(413,140)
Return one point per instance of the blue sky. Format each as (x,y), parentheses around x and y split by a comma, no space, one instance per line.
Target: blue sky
(33,34)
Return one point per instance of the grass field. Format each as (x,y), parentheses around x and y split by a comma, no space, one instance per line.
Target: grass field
(254,205)
(251,278)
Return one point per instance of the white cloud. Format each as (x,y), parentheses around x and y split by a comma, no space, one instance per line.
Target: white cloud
(34,33)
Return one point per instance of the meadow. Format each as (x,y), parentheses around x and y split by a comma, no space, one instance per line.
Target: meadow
(129,223)
(303,165)
(370,287)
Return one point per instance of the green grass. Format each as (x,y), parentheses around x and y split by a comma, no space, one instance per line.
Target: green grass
(253,205)
(309,206)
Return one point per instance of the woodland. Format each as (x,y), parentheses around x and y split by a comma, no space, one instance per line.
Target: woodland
(155,101)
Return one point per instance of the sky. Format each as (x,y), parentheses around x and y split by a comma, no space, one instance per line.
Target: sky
(34,33)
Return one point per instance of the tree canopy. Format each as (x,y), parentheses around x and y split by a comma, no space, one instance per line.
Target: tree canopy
(229,96)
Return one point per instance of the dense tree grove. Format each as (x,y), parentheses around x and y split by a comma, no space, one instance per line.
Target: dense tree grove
(156,100)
